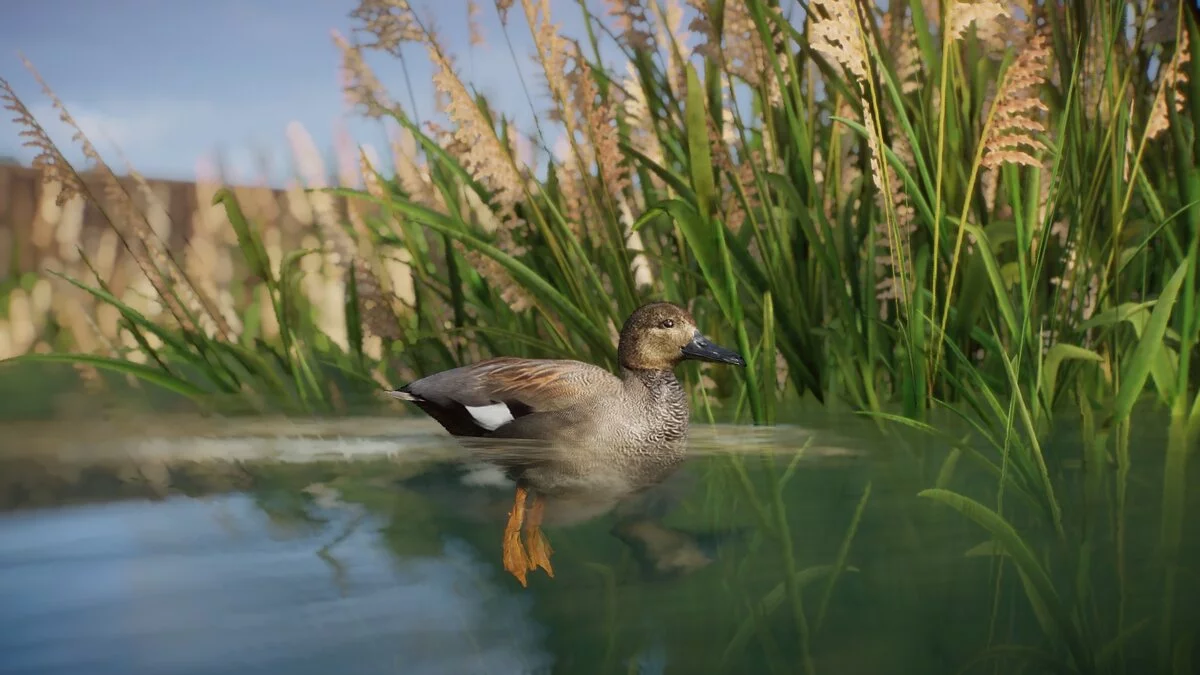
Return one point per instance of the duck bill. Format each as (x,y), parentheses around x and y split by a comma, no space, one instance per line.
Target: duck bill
(703,349)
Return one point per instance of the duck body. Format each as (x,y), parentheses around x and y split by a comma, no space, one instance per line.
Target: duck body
(594,430)
(590,421)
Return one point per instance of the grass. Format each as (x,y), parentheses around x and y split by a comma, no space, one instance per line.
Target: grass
(997,224)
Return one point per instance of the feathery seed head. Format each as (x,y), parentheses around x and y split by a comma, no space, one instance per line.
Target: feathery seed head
(836,31)
(389,23)
(1173,76)
(361,87)
(474,28)
(633,22)
(1011,136)
(982,13)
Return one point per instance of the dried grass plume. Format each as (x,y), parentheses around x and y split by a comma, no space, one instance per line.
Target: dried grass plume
(1012,135)
(1174,77)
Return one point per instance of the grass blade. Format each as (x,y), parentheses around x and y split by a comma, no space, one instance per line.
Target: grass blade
(1039,587)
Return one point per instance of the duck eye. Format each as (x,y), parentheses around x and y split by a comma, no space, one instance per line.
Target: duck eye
(668,323)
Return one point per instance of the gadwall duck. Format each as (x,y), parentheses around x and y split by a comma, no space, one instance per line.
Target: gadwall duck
(630,429)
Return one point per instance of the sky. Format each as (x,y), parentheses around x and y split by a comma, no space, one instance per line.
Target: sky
(171,83)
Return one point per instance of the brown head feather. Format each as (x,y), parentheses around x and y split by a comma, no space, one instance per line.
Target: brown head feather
(654,335)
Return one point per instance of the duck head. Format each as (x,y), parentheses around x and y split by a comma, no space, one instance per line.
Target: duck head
(659,335)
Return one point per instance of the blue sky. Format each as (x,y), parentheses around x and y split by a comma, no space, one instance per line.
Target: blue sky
(170,82)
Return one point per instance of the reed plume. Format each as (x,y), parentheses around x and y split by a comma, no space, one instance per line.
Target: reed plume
(166,277)
(894,267)
(737,46)
(572,189)
(502,7)
(672,39)
(982,13)
(325,276)
(635,108)
(901,43)
(474,28)
(1173,78)
(1012,133)
(481,152)
(47,157)
(387,24)
(600,123)
(552,52)
(362,89)
(412,176)
(633,22)
(836,32)
(840,35)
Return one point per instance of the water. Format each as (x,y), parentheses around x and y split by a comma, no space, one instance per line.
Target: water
(183,546)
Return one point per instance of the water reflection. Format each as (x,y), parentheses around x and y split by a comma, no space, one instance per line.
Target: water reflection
(297,549)
(302,557)
(198,586)
(553,486)
(482,493)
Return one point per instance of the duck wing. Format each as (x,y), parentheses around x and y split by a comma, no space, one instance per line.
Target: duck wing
(486,398)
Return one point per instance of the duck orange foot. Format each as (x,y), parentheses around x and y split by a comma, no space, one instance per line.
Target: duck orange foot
(522,557)
(537,548)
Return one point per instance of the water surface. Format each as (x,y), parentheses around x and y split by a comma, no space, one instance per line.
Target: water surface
(191,546)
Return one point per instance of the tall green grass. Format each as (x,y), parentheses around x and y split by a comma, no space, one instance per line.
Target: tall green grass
(1030,294)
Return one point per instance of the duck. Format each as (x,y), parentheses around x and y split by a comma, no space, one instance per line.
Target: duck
(590,427)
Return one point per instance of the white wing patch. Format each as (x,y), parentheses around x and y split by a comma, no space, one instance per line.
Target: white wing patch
(490,417)
(485,475)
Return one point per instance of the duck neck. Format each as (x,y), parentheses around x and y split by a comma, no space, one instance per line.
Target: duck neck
(664,407)
(661,385)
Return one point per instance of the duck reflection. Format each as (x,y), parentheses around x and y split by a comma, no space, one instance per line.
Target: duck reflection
(554,497)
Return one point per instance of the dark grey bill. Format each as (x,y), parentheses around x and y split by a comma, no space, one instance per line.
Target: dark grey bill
(702,349)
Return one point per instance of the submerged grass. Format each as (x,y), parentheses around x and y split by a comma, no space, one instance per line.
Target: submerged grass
(959,208)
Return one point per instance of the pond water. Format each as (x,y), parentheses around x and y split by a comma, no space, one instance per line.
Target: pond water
(195,547)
